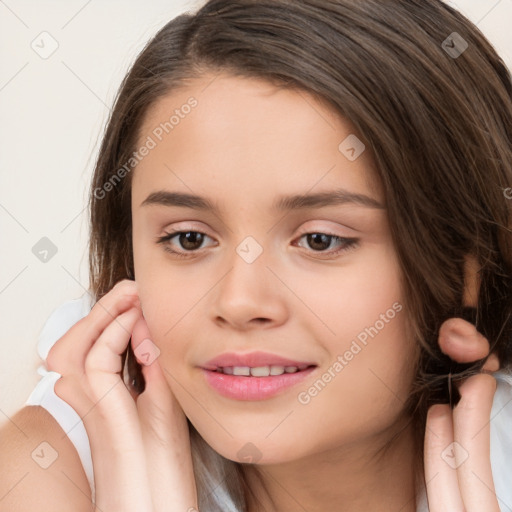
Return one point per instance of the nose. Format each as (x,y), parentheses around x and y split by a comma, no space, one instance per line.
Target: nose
(249,295)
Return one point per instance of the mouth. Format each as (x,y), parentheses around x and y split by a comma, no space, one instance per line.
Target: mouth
(260,371)
(255,383)
(256,363)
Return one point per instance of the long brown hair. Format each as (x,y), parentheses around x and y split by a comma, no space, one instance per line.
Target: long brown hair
(438,125)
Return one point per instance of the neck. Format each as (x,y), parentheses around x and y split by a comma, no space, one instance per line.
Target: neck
(346,479)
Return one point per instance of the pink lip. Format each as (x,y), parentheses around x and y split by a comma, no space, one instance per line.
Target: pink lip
(253,388)
(252,359)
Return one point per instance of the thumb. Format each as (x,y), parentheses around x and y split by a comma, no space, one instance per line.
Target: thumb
(461,341)
(147,354)
(157,391)
(165,430)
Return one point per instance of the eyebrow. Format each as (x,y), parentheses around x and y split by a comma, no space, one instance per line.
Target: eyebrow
(283,203)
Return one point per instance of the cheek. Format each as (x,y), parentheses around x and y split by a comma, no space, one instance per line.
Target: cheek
(158,290)
(161,293)
(355,300)
(371,352)
(170,309)
(362,389)
(161,309)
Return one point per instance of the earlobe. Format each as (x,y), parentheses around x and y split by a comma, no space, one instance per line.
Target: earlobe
(471,281)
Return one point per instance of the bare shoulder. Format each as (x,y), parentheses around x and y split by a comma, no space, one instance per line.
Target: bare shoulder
(40,469)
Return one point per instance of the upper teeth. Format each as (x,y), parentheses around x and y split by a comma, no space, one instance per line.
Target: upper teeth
(260,371)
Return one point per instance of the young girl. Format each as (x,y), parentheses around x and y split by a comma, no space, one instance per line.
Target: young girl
(301,269)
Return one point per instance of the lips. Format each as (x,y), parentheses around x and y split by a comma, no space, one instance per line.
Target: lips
(254,388)
(252,360)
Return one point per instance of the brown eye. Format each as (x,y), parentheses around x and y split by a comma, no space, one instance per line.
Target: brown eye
(187,242)
(190,240)
(320,242)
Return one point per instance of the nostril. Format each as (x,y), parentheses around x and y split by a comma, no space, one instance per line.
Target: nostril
(262,320)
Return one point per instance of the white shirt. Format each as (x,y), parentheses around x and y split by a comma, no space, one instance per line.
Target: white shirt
(70,312)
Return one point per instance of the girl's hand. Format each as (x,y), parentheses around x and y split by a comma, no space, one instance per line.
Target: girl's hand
(458,471)
(139,444)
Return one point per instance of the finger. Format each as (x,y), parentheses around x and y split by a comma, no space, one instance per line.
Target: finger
(99,375)
(461,341)
(492,364)
(69,352)
(69,388)
(122,296)
(105,354)
(166,441)
(146,353)
(440,462)
(104,384)
(471,421)
(164,429)
(157,397)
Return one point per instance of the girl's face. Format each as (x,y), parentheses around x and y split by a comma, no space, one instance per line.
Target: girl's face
(249,277)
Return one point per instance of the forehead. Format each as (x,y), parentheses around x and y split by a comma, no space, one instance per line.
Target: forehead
(220,129)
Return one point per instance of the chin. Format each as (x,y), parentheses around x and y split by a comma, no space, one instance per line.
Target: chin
(257,452)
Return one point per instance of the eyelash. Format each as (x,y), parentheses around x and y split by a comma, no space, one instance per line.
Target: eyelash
(349,243)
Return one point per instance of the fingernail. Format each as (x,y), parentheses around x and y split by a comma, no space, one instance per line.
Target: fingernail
(492,364)
(461,329)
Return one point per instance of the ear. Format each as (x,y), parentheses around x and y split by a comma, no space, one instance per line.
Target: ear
(471,281)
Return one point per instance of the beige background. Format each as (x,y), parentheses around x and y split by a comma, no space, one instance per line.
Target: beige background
(52,112)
